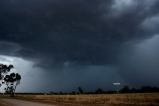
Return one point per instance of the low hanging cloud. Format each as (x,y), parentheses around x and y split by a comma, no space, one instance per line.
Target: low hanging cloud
(139,64)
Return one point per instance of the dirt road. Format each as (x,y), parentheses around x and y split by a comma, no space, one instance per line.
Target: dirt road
(14,102)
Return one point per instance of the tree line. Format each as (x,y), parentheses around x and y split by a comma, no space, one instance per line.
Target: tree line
(124,89)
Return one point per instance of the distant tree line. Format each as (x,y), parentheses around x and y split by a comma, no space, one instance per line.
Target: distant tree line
(144,89)
(124,89)
(80,90)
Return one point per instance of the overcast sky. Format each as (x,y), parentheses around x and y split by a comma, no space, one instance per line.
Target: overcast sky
(62,44)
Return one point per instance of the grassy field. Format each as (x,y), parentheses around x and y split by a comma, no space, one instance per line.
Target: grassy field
(143,99)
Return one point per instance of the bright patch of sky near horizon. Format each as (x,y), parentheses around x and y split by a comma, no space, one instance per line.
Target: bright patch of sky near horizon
(29,74)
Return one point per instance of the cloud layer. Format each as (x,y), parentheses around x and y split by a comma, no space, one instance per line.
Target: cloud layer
(58,33)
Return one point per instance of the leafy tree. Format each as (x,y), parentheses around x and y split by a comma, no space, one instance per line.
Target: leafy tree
(10,80)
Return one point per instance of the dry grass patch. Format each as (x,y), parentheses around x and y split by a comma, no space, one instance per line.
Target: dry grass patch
(144,99)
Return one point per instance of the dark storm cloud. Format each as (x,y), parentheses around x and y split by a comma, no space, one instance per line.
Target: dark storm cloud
(102,41)
(74,31)
(139,62)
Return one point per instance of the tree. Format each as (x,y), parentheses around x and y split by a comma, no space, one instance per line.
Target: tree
(80,90)
(10,80)
(125,89)
(99,91)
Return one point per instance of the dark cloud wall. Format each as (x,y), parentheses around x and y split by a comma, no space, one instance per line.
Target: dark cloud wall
(139,64)
(59,33)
